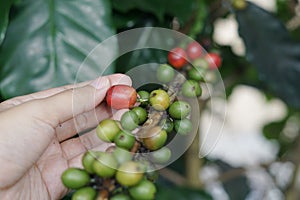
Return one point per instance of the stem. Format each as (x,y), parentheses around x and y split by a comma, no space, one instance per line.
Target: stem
(292,191)
(193,163)
(173,176)
(103,195)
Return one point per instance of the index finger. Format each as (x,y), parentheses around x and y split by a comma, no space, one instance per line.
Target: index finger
(53,91)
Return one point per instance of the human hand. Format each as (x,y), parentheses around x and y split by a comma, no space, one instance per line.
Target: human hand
(36,138)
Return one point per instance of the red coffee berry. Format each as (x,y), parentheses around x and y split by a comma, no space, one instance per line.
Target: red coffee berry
(214,60)
(194,50)
(177,57)
(121,96)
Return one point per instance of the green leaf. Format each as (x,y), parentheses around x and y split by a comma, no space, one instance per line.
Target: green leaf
(237,187)
(4,14)
(271,49)
(145,55)
(47,42)
(273,130)
(180,193)
(159,8)
(199,18)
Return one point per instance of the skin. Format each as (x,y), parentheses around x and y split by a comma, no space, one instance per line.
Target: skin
(36,143)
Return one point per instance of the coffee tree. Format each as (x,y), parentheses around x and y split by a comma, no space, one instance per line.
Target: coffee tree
(58,45)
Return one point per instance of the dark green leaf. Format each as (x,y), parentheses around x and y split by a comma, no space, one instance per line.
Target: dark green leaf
(201,14)
(274,129)
(48,40)
(271,49)
(159,8)
(4,13)
(237,187)
(284,10)
(144,55)
(180,193)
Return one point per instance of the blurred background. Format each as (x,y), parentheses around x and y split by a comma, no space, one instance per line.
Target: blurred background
(256,154)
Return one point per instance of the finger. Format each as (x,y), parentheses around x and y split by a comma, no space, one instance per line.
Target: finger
(114,79)
(38,95)
(68,104)
(82,122)
(78,146)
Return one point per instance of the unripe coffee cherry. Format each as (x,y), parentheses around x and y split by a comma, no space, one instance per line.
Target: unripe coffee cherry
(75,178)
(159,100)
(88,160)
(154,138)
(179,109)
(130,173)
(144,190)
(183,126)
(105,165)
(129,120)
(86,193)
(165,73)
(124,139)
(191,88)
(107,130)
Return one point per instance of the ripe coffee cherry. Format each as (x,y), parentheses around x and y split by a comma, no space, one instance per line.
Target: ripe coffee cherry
(75,178)
(177,57)
(125,140)
(165,73)
(130,173)
(191,88)
(154,138)
(129,120)
(183,126)
(107,130)
(179,109)
(159,100)
(143,97)
(144,190)
(88,160)
(161,155)
(105,165)
(122,155)
(121,96)
(141,113)
(86,193)
(194,50)
(120,197)
(214,60)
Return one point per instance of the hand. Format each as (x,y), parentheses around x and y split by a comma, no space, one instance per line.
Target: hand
(36,138)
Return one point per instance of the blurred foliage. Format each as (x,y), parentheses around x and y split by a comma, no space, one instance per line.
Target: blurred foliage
(276,56)
(43,44)
(236,187)
(159,8)
(4,15)
(180,193)
(47,42)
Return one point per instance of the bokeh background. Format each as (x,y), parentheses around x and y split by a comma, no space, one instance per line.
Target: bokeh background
(43,44)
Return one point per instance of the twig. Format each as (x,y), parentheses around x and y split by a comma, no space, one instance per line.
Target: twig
(173,176)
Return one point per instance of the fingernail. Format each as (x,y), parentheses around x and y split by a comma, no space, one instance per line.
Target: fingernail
(100,83)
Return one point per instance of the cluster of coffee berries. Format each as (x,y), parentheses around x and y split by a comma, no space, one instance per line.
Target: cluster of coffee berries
(140,138)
